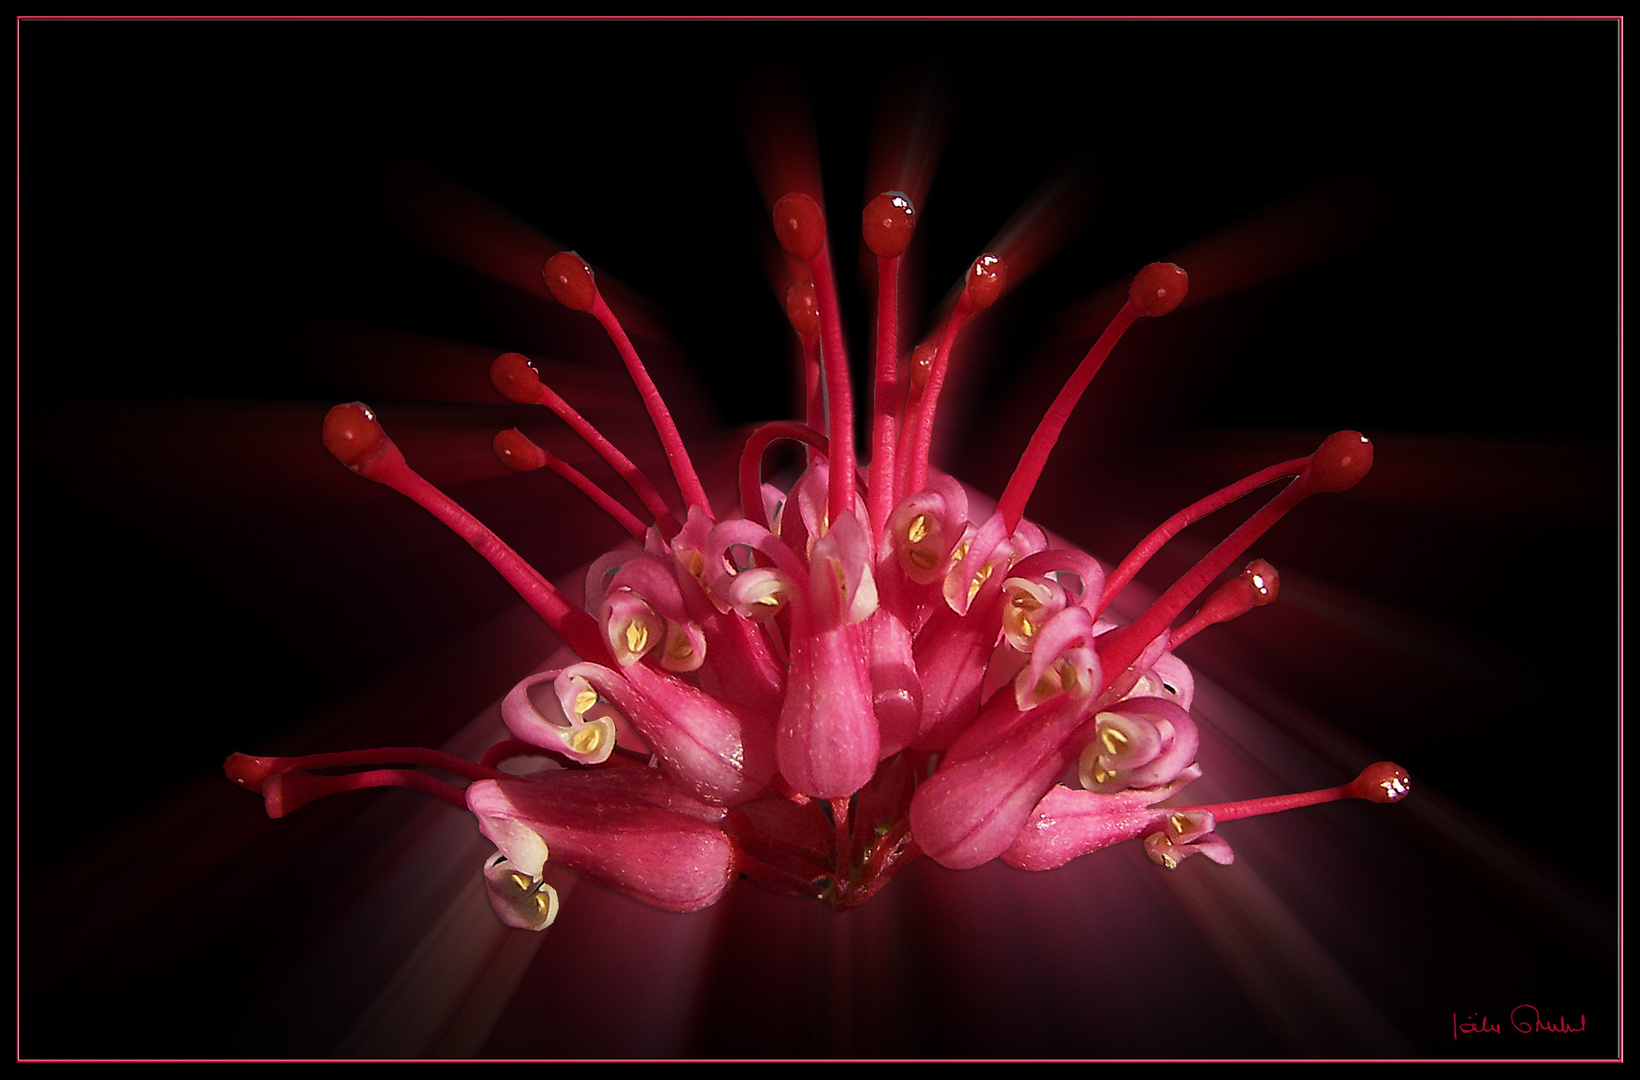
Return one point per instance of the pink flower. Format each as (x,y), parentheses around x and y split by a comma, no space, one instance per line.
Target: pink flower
(845,675)
(628,828)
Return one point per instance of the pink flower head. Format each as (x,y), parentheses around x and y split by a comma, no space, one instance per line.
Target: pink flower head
(815,690)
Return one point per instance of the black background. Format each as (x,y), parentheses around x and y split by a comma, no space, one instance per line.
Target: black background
(209,212)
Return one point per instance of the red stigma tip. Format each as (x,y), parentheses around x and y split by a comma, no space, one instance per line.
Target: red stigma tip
(922,365)
(1158,289)
(516,452)
(515,378)
(351,433)
(1258,585)
(986,280)
(800,225)
(249,772)
(803,309)
(886,224)
(570,280)
(1381,782)
(1265,582)
(1341,461)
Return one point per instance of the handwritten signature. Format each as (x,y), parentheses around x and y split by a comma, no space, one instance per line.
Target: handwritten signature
(1523,1018)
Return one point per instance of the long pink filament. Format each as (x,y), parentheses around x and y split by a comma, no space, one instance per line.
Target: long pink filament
(634,477)
(386,755)
(305,787)
(1191,514)
(1275,804)
(606,502)
(880,487)
(839,395)
(922,437)
(682,468)
(578,629)
(1029,470)
(1120,648)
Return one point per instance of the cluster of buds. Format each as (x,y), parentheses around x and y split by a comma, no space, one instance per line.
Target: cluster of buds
(847,674)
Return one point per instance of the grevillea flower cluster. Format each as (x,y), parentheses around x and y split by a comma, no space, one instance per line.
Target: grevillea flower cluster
(843,676)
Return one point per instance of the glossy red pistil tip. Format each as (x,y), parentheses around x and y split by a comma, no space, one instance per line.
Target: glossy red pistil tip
(352,433)
(1381,782)
(803,310)
(517,452)
(1340,462)
(986,280)
(570,280)
(886,224)
(800,225)
(515,378)
(922,365)
(1263,581)
(251,773)
(1158,289)
(1258,585)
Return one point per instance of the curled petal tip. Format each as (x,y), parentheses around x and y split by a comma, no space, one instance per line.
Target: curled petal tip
(522,900)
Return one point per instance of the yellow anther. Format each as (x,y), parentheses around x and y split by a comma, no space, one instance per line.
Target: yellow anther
(694,562)
(979,579)
(1169,860)
(917,529)
(1102,775)
(1114,740)
(1024,601)
(1046,686)
(588,739)
(543,904)
(520,882)
(1067,675)
(771,600)
(1026,629)
(1180,823)
(681,649)
(585,700)
(637,637)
